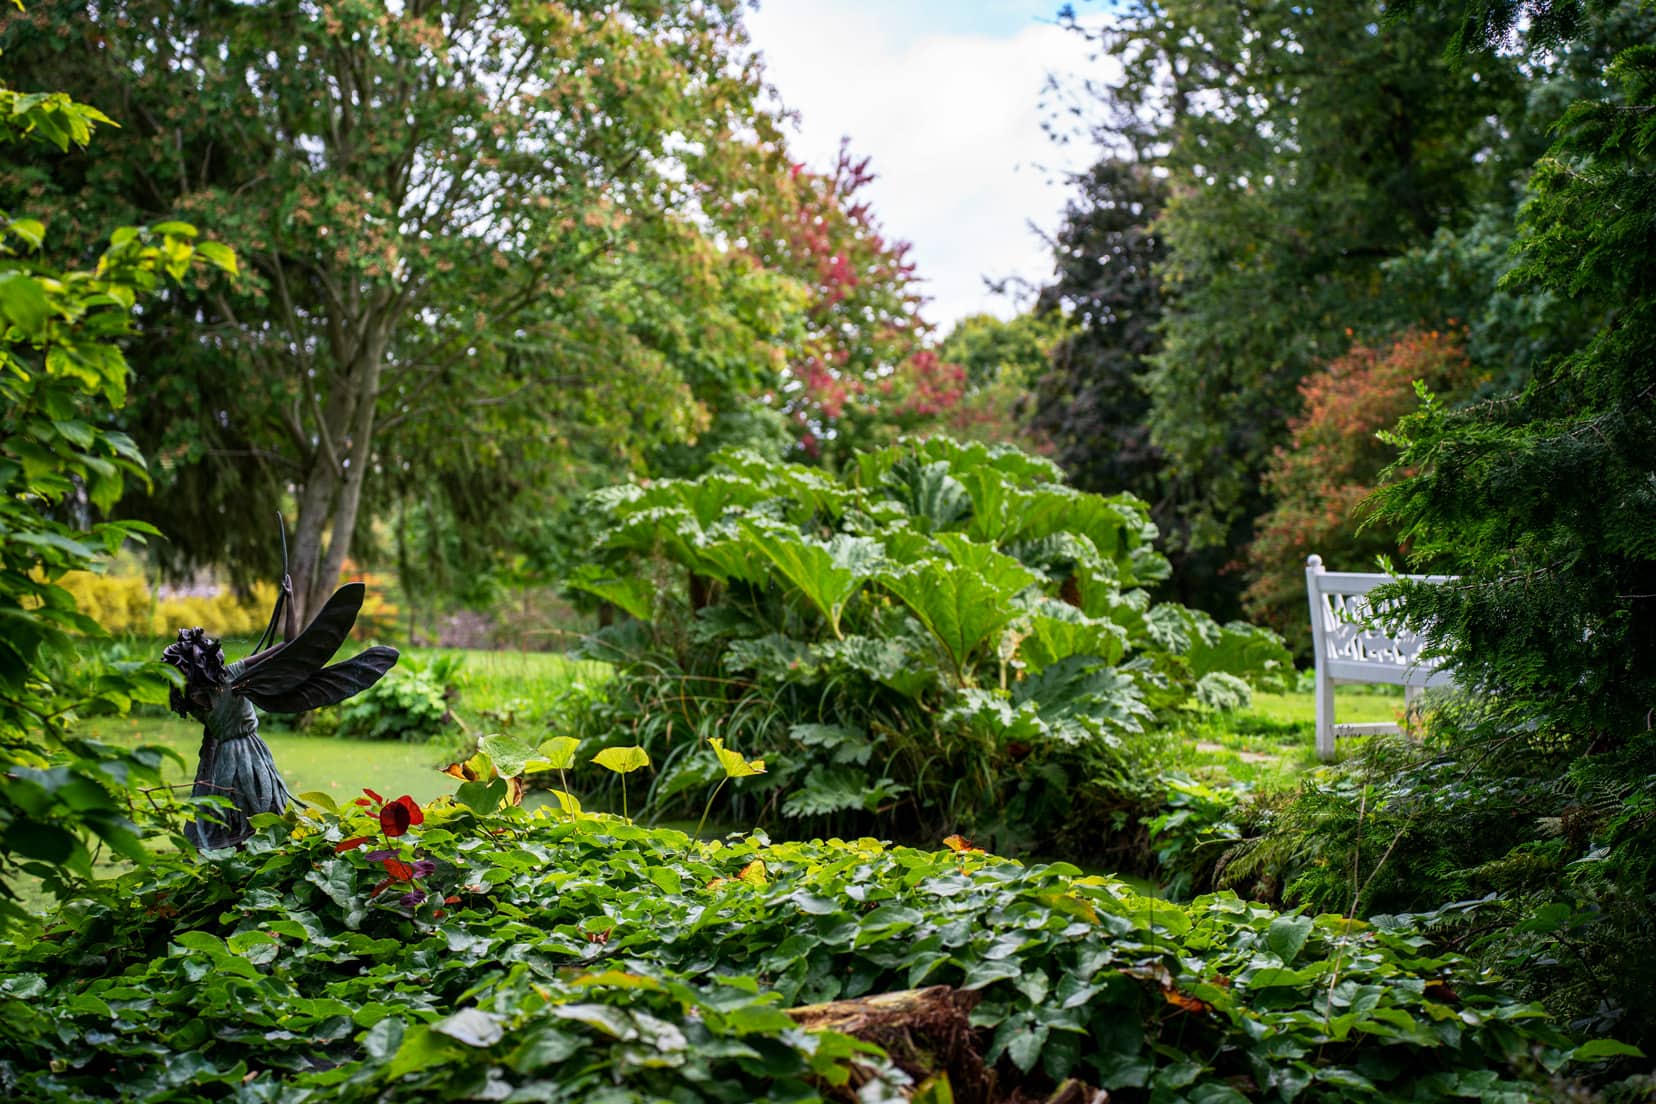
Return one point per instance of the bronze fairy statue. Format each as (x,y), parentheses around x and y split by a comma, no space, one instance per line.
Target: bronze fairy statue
(286,678)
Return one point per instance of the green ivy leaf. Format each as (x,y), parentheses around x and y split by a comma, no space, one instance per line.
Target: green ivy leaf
(1286,936)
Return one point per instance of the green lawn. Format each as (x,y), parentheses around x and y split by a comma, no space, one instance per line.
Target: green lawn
(339,768)
(491,684)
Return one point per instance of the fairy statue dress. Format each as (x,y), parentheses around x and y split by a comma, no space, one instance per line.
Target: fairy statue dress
(286,678)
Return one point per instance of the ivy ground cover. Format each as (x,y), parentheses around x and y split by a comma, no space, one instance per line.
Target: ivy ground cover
(389,951)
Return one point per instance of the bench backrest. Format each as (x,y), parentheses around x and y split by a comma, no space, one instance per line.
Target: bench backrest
(1355,642)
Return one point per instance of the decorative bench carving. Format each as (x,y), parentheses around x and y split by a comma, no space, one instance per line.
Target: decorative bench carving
(1352,643)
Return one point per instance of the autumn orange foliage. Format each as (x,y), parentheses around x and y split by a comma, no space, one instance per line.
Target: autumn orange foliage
(1320,481)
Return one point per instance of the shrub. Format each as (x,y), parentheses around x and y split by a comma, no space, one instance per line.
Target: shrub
(1535,862)
(411,703)
(945,638)
(124,604)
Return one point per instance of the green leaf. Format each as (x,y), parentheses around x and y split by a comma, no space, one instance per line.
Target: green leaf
(1286,936)
(30,230)
(383,1039)
(622,760)
(827,789)
(734,765)
(473,1027)
(1024,1048)
(511,756)
(933,497)
(559,752)
(963,606)
(481,796)
(634,594)
(47,842)
(568,802)
(218,255)
(24,302)
(825,574)
(422,1047)
(1598,1049)
(1060,631)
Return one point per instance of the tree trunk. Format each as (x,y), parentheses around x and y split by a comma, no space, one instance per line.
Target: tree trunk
(356,473)
(333,490)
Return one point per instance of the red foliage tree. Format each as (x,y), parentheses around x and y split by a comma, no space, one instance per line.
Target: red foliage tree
(863,374)
(1320,481)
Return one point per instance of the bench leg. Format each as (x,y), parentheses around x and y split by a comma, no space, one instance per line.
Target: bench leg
(1325,718)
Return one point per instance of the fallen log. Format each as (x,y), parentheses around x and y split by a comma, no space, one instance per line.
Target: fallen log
(926,1032)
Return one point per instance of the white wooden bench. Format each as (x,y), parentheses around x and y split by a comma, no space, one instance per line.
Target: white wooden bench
(1352,643)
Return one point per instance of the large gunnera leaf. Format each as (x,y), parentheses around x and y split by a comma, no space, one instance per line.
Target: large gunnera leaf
(965,601)
(631,593)
(825,573)
(934,499)
(1057,631)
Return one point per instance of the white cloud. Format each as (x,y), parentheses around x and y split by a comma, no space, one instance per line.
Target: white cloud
(952,120)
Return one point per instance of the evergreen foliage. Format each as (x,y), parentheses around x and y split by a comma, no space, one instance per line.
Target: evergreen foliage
(1557,603)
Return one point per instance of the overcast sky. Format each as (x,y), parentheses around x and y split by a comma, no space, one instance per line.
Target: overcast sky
(945,96)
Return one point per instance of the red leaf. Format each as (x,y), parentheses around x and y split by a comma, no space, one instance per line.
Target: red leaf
(351,844)
(399,870)
(1185,1001)
(377,798)
(395,818)
(415,816)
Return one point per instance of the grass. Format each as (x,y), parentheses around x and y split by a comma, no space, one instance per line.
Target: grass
(517,683)
(495,688)
(339,768)
(1270,744)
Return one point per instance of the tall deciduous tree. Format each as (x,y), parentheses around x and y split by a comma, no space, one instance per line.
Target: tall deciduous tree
(458,221)
(863,373)
(1303,147)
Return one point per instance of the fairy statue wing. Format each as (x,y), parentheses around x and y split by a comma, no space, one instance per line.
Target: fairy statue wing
(331,684)
(291,678)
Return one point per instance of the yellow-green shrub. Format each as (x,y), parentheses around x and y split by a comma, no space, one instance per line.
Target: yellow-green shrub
(125,604)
